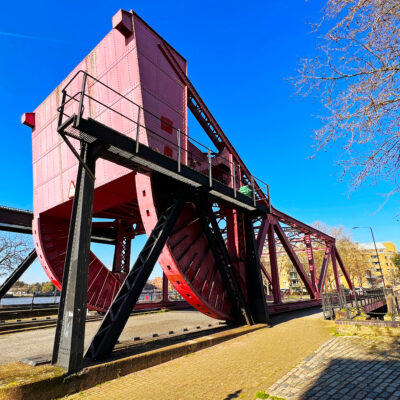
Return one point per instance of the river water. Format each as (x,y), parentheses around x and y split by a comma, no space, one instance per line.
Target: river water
(28,300)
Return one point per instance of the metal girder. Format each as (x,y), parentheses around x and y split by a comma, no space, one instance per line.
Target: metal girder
(255,289)
(311,264)
(300,225)
(16,274)
(117,315)
(15,220)
(295,261)
(165,288)
(15,229)
(13,216)
(122,253)
(335,270)
(124,151)
(70,330)
(276,291)
(342,267)
(324,268)
(20,221)
(265,272)
(222,259)
(262,234)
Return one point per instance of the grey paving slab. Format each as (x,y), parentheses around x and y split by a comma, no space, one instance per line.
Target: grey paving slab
(345,368)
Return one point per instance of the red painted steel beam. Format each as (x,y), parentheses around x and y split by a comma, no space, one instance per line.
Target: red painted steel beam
(294,259)
(292,305)
(179,304)
(342,267)
(164,288)
(300,225)
(311,264)
(335,270)
(298,251)
(265,272)
(276,289)
(262,234)
(324,268)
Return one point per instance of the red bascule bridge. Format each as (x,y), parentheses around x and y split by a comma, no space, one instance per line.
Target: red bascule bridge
(112,154)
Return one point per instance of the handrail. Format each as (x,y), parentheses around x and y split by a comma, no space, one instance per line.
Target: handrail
(256,188)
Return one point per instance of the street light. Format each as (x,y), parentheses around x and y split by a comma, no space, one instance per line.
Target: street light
(376,250)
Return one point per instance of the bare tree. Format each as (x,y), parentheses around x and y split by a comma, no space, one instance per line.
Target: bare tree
(356,76)
(355,261)
(13,249)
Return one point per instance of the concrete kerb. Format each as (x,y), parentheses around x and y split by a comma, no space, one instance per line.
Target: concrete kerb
(59,386)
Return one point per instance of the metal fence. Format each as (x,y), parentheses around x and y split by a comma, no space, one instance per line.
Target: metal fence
(353,303)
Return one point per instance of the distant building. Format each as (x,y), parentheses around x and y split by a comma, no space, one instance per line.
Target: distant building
(17,291)
(386,251)
(290,280)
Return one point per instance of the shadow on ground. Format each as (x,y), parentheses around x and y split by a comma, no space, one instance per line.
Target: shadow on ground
(130,347)
(346,368)
(354,379)
(287,316)
(233,395)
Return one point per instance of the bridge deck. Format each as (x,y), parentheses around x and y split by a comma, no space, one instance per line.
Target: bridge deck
(125,151)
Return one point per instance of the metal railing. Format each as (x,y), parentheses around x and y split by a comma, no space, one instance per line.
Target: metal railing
(353,302)
(129,118)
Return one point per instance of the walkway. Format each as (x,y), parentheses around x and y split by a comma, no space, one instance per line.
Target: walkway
(235,369)
(346,368)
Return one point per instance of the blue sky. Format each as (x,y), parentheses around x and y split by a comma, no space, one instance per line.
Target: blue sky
(239,57)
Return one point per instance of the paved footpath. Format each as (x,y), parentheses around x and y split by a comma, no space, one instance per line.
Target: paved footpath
(345,368)
(235,369)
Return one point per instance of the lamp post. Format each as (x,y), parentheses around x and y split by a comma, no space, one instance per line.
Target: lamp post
(376,250)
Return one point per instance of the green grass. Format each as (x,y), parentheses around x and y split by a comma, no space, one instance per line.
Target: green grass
(262,395)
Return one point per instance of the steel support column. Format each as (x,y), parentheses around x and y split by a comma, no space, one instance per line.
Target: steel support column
(255,289)
(335,270)
(310,257)
(265,272)
(165,298)
(122,254)
(262,234)
(324,268)
(118,313)
(70,331)
(295,261)
(16,274)
(342,267)
(276,289)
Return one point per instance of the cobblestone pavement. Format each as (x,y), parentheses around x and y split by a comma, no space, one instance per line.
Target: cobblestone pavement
(345,368)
